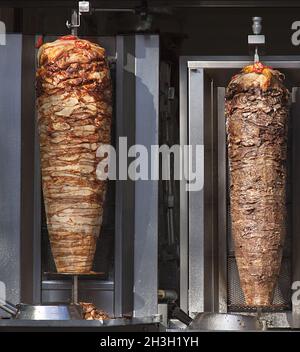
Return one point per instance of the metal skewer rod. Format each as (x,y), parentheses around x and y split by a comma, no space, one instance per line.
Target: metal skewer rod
(83,7)
(75,289)
(256,56)
(257,39)
(258,312)
(75,19)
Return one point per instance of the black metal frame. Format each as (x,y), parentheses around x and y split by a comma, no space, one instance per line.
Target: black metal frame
(163,3)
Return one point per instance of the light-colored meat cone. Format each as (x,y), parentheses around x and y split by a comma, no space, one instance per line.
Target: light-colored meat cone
(257,118)
(74,115)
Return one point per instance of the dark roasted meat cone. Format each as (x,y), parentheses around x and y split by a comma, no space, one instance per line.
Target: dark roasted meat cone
(257,118)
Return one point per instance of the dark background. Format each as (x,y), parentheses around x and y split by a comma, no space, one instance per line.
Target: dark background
(200,27)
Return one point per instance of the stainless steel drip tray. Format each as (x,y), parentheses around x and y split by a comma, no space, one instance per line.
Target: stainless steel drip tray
(280,320)
(43,312)
(49,312)
(151,323)
(245,322)
(225,322)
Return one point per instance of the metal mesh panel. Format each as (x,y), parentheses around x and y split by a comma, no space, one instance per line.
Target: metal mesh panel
(236,300)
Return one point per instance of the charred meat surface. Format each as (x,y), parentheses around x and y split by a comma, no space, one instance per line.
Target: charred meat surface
(257,106)
(90,312)
(74,119)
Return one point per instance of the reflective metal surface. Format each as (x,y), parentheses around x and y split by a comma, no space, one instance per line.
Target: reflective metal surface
(218,321)
(146,191)
(136,202)
(10,156)
(222,204)
(45,312)
(135,324)
(183,221)
(9,308)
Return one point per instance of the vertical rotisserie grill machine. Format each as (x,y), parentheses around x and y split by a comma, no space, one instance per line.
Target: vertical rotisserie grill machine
(128,285)
(207,254)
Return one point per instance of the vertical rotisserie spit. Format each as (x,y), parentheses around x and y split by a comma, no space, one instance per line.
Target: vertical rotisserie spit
(74,118)
(257,119)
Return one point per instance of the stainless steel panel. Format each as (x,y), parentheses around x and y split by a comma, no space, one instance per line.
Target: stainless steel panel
(146,191)
(196,199)
(202,253)
(183,131)
(125,189)
(30,214)
(222,203)
(101,293)
(136,201)
(10,155)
